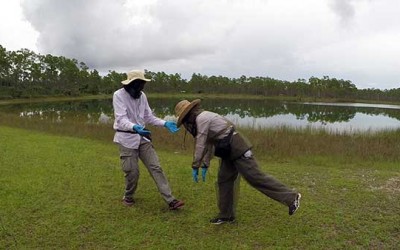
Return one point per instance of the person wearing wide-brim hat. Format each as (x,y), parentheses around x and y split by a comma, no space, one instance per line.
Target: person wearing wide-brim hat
(211,130)
(132,112)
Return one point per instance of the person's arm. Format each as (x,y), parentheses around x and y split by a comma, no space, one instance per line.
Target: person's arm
(208,155)
(122,121)
(201,144)
(149,116)
(206,161)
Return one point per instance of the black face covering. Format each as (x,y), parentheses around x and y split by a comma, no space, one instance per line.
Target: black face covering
(189,122)
(190,126)
(135,88)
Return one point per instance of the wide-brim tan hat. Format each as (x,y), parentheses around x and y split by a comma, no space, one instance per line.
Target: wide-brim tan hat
(182,108)
(135,75)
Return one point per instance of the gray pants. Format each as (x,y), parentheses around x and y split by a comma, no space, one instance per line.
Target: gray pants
(130,166)
(248,168)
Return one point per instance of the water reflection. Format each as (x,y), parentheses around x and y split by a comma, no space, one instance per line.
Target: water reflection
(336,117)
(90,112)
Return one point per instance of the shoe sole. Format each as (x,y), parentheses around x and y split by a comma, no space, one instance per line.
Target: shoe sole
(298,200)
(298,197)
(178,206)
(127,204)
(223,222)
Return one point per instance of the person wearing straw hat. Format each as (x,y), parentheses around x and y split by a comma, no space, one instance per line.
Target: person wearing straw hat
(216,135)
(132,112)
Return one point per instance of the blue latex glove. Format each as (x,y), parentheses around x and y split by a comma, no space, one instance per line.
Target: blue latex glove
(140,130)
(171,126)
(195,174)
(204,170)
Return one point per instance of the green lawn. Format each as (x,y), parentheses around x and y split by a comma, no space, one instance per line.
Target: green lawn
(59,192)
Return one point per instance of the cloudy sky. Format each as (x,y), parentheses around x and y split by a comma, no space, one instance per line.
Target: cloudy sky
(357,40)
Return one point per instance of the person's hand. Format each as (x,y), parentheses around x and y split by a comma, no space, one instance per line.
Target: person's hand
(195,174)
(171,126)
(140,130)
(204,169)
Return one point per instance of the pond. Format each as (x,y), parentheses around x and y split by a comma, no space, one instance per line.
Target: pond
(255,114)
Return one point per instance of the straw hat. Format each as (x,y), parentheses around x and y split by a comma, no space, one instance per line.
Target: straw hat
(135,75)
(182,108)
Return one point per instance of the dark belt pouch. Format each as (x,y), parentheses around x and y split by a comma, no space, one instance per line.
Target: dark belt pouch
(223,146)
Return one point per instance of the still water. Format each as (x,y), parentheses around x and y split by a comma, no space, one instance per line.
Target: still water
(256,114)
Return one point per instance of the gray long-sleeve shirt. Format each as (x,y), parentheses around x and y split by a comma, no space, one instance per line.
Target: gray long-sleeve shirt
(210,126)
(128,112)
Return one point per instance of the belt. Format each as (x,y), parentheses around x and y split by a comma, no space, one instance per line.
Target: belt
(129,132)
(134,132)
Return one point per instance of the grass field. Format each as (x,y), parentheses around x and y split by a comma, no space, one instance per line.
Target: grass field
(62,192)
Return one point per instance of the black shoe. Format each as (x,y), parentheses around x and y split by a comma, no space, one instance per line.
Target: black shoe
(128,201)
(295,205)
(218,221)
(176,204)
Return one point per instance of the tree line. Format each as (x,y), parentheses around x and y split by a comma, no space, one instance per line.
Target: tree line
(25,74)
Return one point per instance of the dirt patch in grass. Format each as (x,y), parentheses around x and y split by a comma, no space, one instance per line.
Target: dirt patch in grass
(392,185)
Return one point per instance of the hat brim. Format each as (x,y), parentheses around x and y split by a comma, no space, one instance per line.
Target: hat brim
(126,82)
(186,111)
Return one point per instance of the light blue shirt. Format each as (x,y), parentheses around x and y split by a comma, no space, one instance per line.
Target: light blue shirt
(128,112)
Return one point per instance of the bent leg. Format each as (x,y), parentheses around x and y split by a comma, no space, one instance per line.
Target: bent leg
(150,159)
(268,185)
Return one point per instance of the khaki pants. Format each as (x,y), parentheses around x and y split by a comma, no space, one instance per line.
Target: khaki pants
(130,166)
(248,168)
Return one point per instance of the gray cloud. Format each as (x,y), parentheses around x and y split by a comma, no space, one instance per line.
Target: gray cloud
(344,9)
(105,33)
(282,39)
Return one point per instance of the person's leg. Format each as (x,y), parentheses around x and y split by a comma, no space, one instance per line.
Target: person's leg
(227,175)
(129,163)
(268,185)
(150,159)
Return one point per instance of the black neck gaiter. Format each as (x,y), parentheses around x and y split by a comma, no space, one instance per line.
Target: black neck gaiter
(190,120)
(135,88)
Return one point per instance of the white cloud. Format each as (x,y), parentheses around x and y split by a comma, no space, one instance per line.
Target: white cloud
(15,31)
